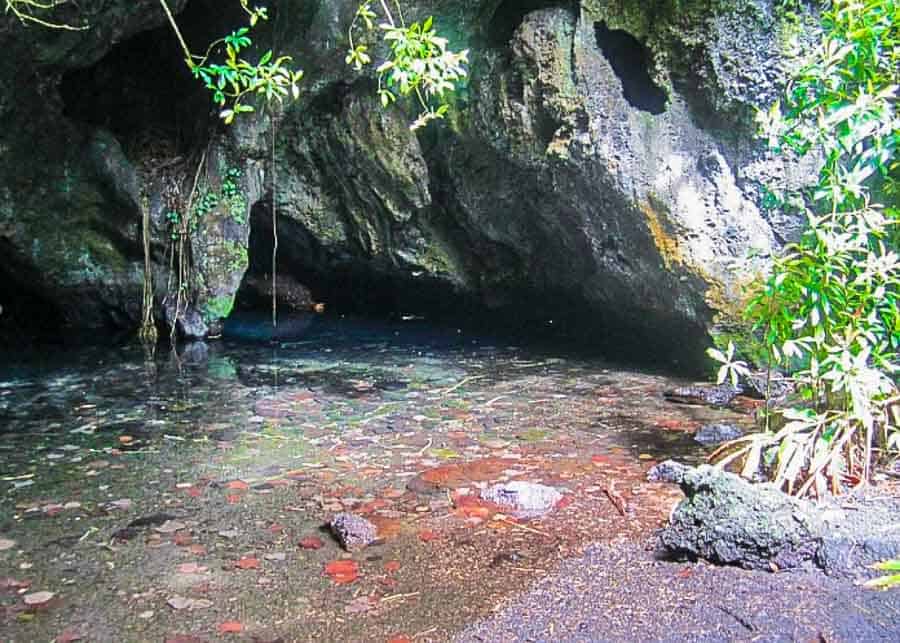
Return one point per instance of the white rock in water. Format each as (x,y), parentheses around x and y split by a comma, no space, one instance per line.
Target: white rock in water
(38,598)
(526,499)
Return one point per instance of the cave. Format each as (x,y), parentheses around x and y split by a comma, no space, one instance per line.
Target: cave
(142,90)
(346,285)
(510,14)
(631,62)
(27,307)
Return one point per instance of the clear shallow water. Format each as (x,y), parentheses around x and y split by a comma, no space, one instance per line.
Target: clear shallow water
(324,379)
(238,438)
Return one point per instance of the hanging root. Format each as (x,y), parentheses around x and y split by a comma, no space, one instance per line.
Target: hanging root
(147,332)
(274,229)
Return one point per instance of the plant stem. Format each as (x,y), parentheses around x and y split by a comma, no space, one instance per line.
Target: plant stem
(387,13)
(189,57)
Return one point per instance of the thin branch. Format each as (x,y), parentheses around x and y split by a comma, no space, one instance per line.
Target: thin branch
(189,57)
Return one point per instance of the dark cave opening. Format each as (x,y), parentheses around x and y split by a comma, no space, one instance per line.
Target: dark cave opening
(631,62)
(371,293)
(142,90)
(510,14)
(26,310)
(344,284)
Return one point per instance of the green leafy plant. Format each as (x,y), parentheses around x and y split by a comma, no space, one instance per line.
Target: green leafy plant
(828,313)
(233,80)
(731,369)
(420,63)
(888,580)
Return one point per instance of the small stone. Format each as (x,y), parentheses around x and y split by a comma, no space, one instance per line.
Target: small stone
(352,531)
(171,526)
(182,603)
(38,598)
(712,434)
(668,471)
(525,499)
(6,543)
(123,504)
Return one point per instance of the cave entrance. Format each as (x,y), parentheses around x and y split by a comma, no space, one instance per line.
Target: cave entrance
(631,62)
(26,308)
(511,13)
(143,92)
(307,273)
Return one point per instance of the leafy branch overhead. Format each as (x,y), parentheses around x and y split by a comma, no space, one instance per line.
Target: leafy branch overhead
(234,79)
(40,13)
(420,62)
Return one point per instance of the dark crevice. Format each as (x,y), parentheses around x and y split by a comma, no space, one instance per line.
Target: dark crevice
(143,92)
(27,309)
(510,14)
(332,100)
(631,61)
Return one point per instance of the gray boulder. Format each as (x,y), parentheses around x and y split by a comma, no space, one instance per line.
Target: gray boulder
(524,499)
(726,519)
(188,323)
(353,532)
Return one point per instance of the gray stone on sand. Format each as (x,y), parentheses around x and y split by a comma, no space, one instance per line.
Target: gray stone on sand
(726,519)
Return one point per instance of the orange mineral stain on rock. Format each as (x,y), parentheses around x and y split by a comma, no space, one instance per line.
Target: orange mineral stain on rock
(668,246)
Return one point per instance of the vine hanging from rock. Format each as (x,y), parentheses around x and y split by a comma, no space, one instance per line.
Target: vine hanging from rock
(420,65)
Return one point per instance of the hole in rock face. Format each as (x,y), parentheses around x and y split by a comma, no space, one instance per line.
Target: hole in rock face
(510,14)
(308,274)
(631,62)
(26,310)
(143,92)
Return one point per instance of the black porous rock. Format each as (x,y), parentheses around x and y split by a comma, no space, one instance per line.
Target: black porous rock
(720,395)
(353,532)
(725,519)
(760,385)
(712,434)
(668,471)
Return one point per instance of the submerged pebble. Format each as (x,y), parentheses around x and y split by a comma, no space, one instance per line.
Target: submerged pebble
(525,499)
(352,531)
